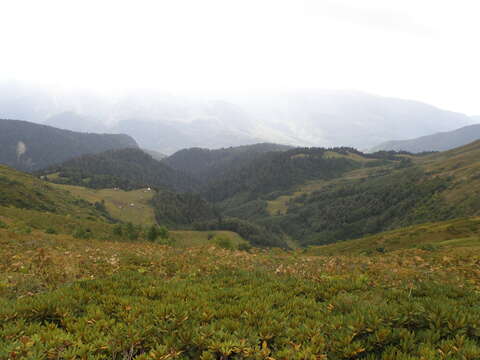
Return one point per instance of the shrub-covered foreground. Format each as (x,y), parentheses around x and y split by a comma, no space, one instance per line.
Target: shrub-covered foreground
(84,299)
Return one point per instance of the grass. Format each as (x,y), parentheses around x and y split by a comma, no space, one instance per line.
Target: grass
(103,297)
(21,190)
(20,220)
(128,206)
(407,294)
(447,234)
(62,297)
(462,165)
(118,204)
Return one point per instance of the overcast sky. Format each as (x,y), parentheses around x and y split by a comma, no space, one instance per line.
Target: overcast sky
(426,50)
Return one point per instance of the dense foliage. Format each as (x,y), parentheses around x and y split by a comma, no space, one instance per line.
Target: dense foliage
(28,147)
(126,169)
(73,286)
(206,165)
(181,210)
(104,300)
(279,171)
(256,234)
(244,316)
(366,206)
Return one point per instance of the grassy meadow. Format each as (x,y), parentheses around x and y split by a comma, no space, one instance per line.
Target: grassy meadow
(68,298)
(75,283)
(133,206)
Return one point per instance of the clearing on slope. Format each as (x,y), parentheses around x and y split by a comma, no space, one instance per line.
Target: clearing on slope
(128,206)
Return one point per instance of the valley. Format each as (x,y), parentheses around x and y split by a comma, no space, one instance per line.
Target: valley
(239,180)
(259,252)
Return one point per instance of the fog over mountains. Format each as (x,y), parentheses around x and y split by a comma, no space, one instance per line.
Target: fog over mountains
(441,141)
(167,123)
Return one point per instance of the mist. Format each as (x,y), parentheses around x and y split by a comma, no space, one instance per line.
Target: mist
(219,73)
(167,123)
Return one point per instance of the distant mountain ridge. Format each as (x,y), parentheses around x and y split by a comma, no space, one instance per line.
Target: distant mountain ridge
(436,142)
(28,146)
(168,123)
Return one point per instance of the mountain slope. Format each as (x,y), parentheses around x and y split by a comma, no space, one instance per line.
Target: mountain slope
(28,147)
(70,297)
(206,164)
(421,189)
(125,168)
(32,210)
(280,171)
(127,206)
(428,236)
(23,191)
(437,142)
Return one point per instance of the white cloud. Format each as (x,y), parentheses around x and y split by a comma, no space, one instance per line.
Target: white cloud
(426,50)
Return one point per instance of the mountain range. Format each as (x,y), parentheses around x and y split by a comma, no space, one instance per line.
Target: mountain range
(436,142)
(27,146)
(168,123)
(375,254)
(313,195)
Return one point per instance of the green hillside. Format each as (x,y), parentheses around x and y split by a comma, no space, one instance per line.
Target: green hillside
(462,166)
(443,235)
(206,165)
(279,205)
(75,285)
(313,196)
(129,206)
(126,169)
(374,197)
(28,204)
(24,191)
(66,297)
(279,190)
(280,171)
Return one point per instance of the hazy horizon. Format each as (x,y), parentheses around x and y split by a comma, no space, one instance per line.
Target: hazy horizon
(222,49)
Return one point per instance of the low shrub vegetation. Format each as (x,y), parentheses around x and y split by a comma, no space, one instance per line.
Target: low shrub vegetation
(67,298)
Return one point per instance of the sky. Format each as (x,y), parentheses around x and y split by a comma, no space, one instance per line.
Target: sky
(425,50)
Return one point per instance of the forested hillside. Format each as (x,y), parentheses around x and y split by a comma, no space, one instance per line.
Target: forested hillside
(126,169)
(74,284)
(311,195)
(355,208)
(181,210)
(206,164)
(427,188)
(279,171)
(28,147)
(319,196)
(177,204)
